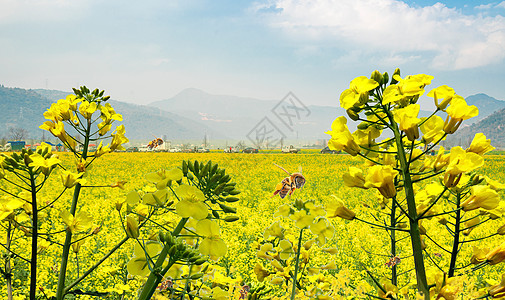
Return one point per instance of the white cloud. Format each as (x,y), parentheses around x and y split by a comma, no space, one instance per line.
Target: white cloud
(449,38)
(485,6)
(501,5)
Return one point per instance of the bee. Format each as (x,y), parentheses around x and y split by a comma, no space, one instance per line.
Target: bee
(155,143)
(393,261)
(289,184)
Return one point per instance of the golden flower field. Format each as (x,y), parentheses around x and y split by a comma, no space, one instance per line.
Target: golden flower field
(357,247)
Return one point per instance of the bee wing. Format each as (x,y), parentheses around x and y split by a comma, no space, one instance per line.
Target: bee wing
(282,168)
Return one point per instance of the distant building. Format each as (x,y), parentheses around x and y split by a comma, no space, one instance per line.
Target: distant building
(17,145)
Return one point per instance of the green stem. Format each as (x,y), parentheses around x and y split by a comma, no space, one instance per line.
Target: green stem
(455,243)
(394,276)
(8,269)
(155,277)
(35,234)
(415,237)
(60,292)
(85,274)
(293,292)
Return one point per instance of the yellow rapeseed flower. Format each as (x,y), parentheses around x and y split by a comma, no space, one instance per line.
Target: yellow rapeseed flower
(432,129)
(354,178)
(341,137)
(80,222)
(481,197)
(382,178)
(191,202)
(212,243)
(142,257)
(357,94)
(408,121)
(480,144)
(457,112)
(442,92)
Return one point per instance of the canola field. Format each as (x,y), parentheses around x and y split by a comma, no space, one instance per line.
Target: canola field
(357,247)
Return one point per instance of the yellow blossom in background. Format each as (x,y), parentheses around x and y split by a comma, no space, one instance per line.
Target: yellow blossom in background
(480,145)
(497,255)
(275,230)
(323,230)
(498,290)
(8,205)
(315,210)
(81,221)
(495,185)
(479,255)
(264,251)
(283,211)
(261,272)
(132,226)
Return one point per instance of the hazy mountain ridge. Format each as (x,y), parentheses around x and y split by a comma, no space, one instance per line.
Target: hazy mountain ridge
(24,109)
(487,106)
(238,116)
(193,113)
(492,126)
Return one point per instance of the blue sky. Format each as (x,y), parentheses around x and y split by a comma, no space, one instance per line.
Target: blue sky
(144,51)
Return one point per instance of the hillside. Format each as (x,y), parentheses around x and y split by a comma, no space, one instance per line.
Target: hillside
(238,116)
(487,105)
(24,108)
(193,113)
(493,127)
(21,109)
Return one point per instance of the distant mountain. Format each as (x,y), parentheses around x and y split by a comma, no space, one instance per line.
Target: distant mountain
(239,116)
(193,113)
(487,106)
(24,109)
(492,126)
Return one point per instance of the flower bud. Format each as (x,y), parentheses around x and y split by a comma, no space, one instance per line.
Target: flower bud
(377,76)
(231,218)
(353,114)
